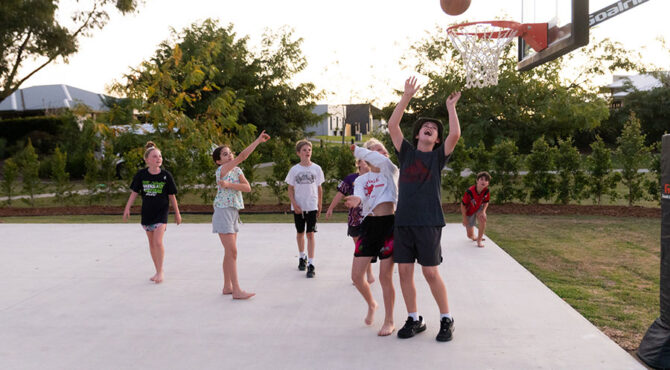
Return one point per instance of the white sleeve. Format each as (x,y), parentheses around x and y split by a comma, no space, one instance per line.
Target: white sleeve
(375,159)
(289,177)
(320,178)
(359,188)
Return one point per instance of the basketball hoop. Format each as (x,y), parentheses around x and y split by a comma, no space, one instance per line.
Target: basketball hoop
(481,44)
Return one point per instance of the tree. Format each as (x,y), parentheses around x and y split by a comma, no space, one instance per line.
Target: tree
(632,153)
(505,171)
(283,153)
(523,106)
(480,160)
(29,31)
(571,178)
(30,167)
(453,183)
(540,181)
(602,180)
(60,176)
(91,176)
(210,81)
(9,176)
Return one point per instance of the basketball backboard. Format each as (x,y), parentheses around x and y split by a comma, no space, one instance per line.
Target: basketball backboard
(567,29)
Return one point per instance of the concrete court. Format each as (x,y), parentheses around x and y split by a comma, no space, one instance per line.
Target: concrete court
(78,297)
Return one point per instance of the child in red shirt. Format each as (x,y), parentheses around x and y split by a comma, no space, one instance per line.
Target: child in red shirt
(474,205)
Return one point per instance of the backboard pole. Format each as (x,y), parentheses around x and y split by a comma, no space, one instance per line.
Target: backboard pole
(654,349)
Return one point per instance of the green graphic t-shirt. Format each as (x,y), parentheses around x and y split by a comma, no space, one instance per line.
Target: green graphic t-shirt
(154,190)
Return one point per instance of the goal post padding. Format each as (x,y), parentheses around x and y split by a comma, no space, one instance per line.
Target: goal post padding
(654,349)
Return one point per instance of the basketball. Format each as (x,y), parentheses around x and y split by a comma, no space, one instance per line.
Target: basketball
(454,7)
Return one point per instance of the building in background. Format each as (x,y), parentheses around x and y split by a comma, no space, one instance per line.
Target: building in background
(347,120)
(46,99)
(624,85)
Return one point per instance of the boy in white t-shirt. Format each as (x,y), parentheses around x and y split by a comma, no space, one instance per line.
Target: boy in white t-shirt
(304,190)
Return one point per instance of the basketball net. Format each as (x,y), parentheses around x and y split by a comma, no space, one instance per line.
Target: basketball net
(480,45)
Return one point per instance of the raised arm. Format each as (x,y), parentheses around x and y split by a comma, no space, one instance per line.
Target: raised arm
(374,158)
(454,124)
(263,137)
(243,185)
(394,122)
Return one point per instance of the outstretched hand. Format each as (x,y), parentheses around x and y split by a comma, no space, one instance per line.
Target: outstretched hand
(453,99)
(263,137)
(411,87)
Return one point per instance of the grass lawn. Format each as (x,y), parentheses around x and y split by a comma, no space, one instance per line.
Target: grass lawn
(606,268)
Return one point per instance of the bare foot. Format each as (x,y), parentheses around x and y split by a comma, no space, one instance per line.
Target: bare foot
(227,291)
(371,279)
(474,239)
(371,314)
(158,278)
(153,278)
(480,244)
(243,295)
(387,329)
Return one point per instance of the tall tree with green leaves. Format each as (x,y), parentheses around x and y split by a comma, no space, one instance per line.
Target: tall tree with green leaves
(29,30)
(505,171)
(540,181)
(523,106)
(283,153)
(91,177)
(480,160)
(653,184)
(59,176)
(633,154)
(30,167)
(570,176)
(453,183)
(10,173)
(602,180)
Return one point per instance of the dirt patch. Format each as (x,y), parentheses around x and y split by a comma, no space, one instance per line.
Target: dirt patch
(510,208)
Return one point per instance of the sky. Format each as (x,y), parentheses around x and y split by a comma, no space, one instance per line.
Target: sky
(353,47)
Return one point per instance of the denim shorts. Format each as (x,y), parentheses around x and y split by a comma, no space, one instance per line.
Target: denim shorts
(152,227)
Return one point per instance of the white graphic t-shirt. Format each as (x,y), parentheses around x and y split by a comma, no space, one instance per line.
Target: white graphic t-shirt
(306,182)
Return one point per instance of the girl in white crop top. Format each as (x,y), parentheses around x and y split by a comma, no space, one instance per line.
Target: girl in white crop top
(377,190)
(377,193)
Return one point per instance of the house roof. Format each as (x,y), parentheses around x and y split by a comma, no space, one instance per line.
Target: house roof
(52,97)
(643,82)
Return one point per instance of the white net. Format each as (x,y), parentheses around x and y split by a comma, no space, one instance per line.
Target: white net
(480,45)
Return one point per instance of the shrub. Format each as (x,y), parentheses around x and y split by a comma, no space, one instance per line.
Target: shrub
(540,181)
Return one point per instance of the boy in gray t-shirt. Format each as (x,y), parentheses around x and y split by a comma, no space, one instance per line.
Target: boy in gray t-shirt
(419,218)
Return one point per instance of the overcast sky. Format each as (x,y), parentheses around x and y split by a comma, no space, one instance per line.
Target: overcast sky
(353,47)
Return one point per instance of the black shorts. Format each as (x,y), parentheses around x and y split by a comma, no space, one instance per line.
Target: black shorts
(418,243)
(376,237)
(305,218)
(354,231)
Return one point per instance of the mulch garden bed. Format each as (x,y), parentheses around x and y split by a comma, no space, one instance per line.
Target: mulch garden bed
(510,208)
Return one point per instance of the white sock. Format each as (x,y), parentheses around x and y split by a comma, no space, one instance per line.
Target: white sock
(447,315)
(414,316)
(302,255)
(310,261)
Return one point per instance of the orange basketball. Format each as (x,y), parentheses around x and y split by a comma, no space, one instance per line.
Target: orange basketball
(454,7)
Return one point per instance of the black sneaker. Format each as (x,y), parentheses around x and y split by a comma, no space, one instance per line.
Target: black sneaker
(302,263)
(446,330)
(412,327)
(310,271)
